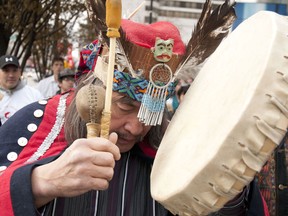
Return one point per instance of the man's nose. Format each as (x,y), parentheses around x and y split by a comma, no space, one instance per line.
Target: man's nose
(134,126)
(11,73)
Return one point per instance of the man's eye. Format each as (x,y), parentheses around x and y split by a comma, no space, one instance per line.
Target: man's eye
(125,107)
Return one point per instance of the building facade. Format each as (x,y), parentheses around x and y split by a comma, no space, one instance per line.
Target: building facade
(246,8)
(185,13)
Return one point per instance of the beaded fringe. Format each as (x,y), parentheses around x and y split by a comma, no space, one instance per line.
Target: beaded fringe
(153,104)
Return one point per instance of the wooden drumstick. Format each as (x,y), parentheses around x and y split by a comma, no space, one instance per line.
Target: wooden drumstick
(113,22)
(90,104)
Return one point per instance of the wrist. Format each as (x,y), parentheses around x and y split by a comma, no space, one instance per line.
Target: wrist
(41,188)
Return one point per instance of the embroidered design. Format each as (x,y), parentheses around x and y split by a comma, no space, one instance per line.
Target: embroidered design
(88,58)
(126,84)
(134,87)
(46,144)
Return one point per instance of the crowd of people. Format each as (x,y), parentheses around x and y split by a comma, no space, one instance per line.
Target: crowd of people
(49,167)
(15,93)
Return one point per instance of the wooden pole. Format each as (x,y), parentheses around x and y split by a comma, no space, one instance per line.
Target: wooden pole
(113,22)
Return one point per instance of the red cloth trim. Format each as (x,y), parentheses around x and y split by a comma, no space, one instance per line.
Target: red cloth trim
(147,149)
(5,203)
(42,132)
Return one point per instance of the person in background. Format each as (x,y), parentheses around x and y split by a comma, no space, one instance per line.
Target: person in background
(66,80)
(49,86)
(182,91)
(173,102)
(14,93)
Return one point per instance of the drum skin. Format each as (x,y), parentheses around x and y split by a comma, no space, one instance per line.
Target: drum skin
(232,118)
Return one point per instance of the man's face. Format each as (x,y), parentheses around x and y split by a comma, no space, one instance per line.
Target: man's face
(57,67)
(9,77)
(67,83)
(125,123)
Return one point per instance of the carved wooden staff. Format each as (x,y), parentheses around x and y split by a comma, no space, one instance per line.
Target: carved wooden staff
(90,98)
(113,22)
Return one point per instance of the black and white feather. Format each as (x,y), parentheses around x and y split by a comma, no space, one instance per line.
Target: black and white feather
(97,14)
(211,29)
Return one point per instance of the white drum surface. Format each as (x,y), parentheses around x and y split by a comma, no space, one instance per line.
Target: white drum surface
(237,103)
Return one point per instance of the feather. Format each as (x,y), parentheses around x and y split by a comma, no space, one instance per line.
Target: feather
(123,45)
(97,14)
(210,30)
(122,57)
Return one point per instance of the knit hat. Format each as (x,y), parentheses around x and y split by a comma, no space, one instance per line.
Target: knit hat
(66,73)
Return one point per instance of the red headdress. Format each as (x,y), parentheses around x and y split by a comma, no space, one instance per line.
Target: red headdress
(150,57)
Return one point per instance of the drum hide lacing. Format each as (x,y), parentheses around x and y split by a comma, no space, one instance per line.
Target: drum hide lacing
(249,125)
(251,159)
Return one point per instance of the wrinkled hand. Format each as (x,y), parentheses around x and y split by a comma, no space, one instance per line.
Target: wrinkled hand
(88,164)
